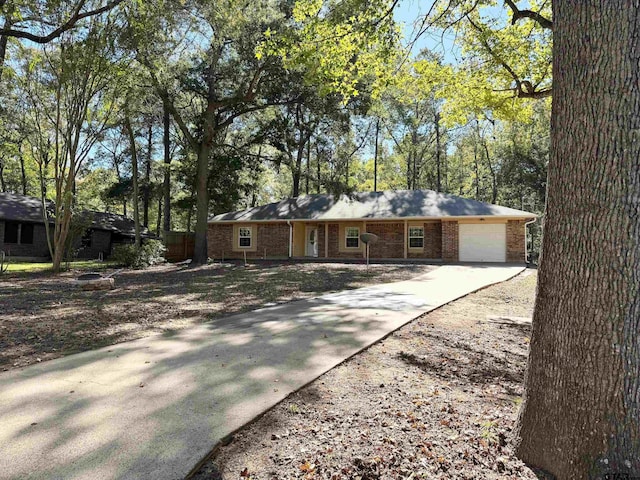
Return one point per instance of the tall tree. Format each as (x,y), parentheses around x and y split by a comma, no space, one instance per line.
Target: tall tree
(73,85)
(225,81)
(581,414)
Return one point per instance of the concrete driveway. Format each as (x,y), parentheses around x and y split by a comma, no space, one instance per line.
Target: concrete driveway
(153,408)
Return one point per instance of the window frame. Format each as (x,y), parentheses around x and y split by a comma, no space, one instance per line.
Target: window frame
(241,237)
(17,230)
(347,237)
(31,227)
(412,237)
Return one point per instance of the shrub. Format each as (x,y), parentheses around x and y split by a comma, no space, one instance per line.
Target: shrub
(150,253)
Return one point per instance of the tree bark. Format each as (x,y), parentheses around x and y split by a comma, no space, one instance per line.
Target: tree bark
(200,253)
(581,413)
(318,169)
(167,170)
(436,122)
(375,158)
(308,173)
(295,177)
(134,178)
(159,218)
(8,23)
(23,173)
(3,184)
(147,177)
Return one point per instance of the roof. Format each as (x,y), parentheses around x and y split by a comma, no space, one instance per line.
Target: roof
(22,208)
(392,204)
(116,223)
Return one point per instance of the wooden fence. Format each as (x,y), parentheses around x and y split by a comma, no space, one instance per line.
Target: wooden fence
(179,246)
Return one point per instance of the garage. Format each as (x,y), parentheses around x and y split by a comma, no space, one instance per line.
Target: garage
(482,242)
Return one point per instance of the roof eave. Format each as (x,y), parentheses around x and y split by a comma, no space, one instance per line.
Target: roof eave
(378,219)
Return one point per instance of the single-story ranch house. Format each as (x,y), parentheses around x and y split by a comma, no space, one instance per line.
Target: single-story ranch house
(419,224)
(23,234)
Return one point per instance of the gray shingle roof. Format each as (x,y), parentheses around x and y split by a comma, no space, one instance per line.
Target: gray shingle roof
(379,205)
(22,208)
(116,223)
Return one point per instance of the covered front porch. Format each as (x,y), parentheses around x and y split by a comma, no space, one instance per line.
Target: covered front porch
(403,239)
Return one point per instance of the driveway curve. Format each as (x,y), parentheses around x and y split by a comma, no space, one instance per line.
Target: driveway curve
(153,408)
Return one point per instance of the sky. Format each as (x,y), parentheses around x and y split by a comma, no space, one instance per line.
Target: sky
(409,14)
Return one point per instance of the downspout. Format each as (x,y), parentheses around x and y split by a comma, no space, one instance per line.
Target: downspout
(290,238)
(526,250)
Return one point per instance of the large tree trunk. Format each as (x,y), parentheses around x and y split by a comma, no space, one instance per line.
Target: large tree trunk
(436,122)
(167,170)
(581,414)
(375,158)
(134,178)
(8,23)
(200,253)
(3,185)
(147,178)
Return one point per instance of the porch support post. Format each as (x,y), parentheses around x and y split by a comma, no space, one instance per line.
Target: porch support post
(406,236)
(364,250)
(326,240)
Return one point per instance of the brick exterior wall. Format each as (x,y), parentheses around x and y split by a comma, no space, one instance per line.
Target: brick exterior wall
(432,242)
(274,237)
(220,241)
(321,240)
(39,248)
(515,241)
(334,244)
(390,242)
(450,241)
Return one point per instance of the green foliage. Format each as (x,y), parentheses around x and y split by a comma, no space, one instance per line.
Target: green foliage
(338,44)
(150,253)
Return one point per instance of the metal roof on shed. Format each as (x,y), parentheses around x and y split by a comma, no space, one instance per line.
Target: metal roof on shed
(390,204)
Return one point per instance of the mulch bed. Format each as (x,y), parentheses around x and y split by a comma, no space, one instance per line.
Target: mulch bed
(437,399)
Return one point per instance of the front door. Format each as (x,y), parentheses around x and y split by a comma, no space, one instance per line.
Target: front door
(312,242)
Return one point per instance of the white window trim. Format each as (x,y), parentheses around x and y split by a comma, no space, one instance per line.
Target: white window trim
(250,237)
(346,237)
(409,237)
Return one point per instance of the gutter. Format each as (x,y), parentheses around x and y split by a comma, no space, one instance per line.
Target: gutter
(526,250)
(290,238)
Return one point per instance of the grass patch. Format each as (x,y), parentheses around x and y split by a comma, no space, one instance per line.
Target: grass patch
(33,267)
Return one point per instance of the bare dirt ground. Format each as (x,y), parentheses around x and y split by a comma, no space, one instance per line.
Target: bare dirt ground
(435,400)
(43,316)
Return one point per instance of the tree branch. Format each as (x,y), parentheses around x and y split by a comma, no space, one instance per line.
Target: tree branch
(535,16)
(68,25)
(523,88)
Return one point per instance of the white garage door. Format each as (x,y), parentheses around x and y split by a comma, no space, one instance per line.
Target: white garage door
(483,242)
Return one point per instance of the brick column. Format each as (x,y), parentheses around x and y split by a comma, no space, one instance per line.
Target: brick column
(450,241)
(516,241)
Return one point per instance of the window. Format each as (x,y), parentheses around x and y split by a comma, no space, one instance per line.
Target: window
(26,233)
(416,237)
(11,230)
(85,242)
(244,237)
(352,236)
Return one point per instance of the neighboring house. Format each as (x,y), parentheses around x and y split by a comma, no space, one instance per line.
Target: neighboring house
(419,224)
(23,233)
